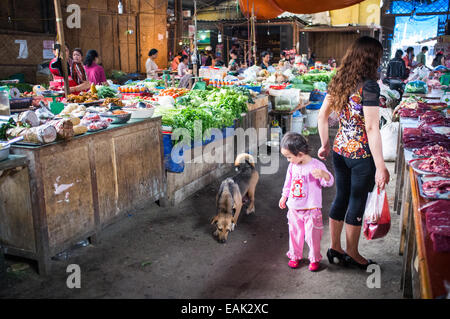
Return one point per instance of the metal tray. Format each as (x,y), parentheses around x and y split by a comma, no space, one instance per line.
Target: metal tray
(4,153)
(420,181)
(415,166)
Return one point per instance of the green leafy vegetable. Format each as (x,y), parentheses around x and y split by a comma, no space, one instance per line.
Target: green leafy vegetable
(105,92)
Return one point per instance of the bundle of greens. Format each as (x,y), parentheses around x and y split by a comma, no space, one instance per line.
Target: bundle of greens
(105,91)
(310,78)
(6,126)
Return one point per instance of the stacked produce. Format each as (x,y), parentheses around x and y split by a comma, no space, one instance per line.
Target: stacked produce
(173,92)
(306,82)
(216,108)
(416,87)
(74,109)
(93,122)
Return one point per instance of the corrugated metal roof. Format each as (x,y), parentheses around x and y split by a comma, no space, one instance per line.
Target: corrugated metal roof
(282,19)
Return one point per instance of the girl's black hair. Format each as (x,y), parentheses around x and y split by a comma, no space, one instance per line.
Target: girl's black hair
(78,50)
(152,52)
(90,57)
(233,52)
(399,54)
(183,57)
(294,143)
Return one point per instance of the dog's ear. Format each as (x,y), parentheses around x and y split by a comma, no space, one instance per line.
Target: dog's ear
(214,220)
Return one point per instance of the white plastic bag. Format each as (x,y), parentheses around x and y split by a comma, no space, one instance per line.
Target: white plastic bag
(389,135)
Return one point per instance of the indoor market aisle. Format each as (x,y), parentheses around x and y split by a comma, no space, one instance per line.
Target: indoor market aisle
(170,253)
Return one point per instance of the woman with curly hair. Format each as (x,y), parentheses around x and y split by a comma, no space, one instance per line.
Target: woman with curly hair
(353,95)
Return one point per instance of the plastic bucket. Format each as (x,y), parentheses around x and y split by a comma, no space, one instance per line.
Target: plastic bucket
(312,118)
(297,124)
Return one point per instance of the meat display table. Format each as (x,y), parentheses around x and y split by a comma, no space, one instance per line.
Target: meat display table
(74,189)
(423,271)
(433,267)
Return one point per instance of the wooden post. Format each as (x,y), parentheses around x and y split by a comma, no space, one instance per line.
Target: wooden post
(60,30)
(254,33)
(228,51)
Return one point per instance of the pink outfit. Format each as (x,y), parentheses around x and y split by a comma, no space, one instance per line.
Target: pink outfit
(302,189)
(95,73)
(305,225)
(304,193)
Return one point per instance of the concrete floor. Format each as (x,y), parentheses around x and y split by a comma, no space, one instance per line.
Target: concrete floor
(170,253)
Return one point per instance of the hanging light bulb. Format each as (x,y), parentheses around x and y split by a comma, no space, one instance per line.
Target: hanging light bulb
(219,37)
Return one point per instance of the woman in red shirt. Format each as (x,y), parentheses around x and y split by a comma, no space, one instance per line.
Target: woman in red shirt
(55,67)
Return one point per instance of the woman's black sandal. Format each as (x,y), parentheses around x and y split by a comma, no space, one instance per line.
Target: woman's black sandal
(351,261)
(335,257)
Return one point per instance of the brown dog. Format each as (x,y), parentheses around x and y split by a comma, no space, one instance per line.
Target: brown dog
(231,193)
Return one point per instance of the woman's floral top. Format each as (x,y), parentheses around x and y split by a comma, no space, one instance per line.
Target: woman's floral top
(351,140)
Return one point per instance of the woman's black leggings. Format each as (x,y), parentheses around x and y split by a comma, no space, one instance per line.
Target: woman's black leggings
(355,178)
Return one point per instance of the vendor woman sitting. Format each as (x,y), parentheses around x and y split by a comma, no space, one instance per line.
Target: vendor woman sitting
(265,58)
(55,68)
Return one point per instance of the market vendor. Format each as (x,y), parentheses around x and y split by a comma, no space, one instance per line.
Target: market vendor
(210,60)
(312,60)
(233,65)
(283,64)
(55,67)
(150,64)
(77,70)
(409,58)
(438,59)
(94,72)
(265,58)
(176,61)
(184,72)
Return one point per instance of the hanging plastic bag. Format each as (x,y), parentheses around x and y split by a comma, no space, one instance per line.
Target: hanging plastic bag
(377,218)
(389,135)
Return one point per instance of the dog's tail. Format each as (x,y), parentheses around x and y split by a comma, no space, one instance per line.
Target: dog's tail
(244,157)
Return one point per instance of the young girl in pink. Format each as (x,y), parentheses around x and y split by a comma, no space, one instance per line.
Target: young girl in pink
(303,192)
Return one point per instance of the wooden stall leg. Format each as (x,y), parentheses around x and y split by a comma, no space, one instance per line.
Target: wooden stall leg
(399,184)
(416,293)
(44,266)
(399,147)
(2,264)
(405,208)
(95,239)
(406,281)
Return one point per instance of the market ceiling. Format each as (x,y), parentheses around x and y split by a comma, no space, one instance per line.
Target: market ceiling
(189,4)
(269,9)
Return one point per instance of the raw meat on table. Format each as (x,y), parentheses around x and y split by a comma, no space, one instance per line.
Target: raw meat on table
(436,164)
(433,188)
(435,150)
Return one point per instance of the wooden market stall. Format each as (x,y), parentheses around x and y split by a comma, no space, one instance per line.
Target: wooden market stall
(198,173)
(122,40)
(424,270)
(70,191)
(332,42)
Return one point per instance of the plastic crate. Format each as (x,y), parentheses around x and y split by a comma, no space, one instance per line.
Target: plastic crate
(254,88)
(20,103)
